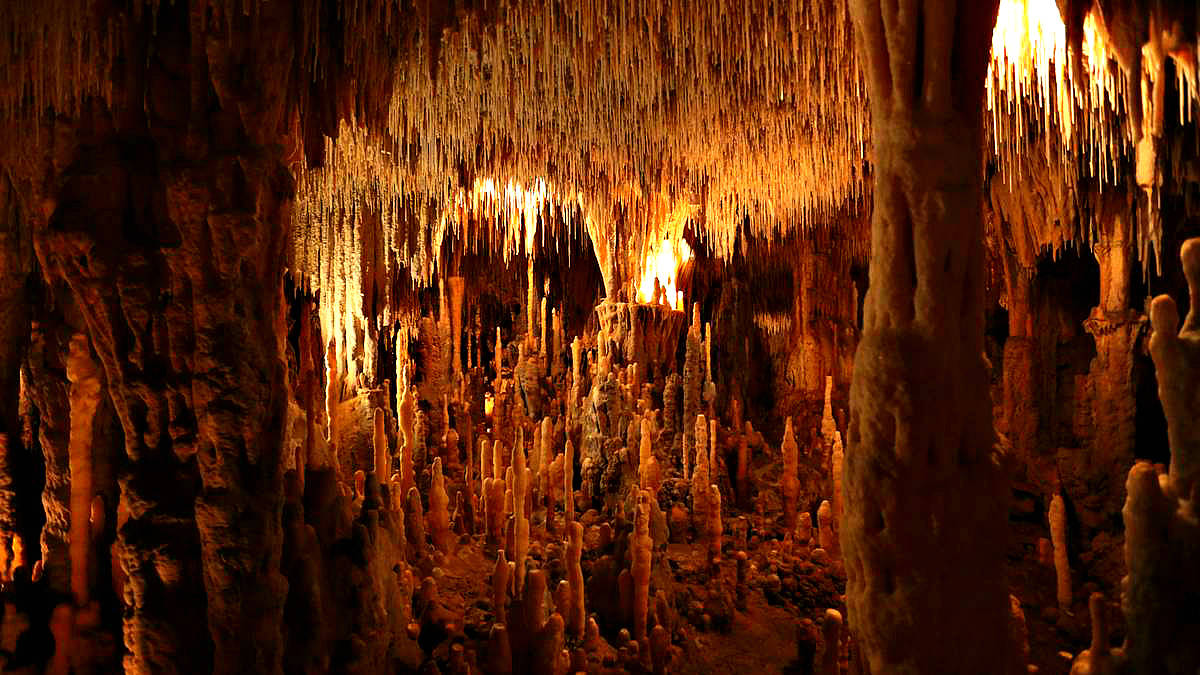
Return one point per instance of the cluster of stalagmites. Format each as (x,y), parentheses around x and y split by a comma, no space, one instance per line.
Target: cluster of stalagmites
(1160,596)
(576,525)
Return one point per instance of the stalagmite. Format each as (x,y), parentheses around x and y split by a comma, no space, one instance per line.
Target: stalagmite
(456,285)
(439,510)
(836,460)
(546,458)
(408,449)
(713,464)
(414,522)
(701,479)
(743,466)
(499,467)
(487,463)
(828,426)
(804,529)
(520,515)
(789,482)
(576,616)
(499,363)
(499,651)
(576,362)
(692,383)
(569,482)
(383,459)
(544,345)
(831,630)
(1099,658)
(650,476)
(640,570)
(84,376)
(660,643)
(500,582)
(556,345)
(1062,566)
(826,535)
(715,525)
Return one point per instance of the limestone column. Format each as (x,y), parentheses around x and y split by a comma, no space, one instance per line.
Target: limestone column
(925,511)
(1022,414)
(1111,394)
(174,255)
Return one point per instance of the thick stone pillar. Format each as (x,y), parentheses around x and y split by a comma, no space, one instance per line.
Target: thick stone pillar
(1110,398)
(170,232)
(925,496)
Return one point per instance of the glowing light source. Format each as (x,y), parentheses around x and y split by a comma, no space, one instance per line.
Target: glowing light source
(1029,59)
(662,264)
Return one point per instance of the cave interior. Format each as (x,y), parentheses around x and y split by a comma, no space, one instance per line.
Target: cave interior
(600,336)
